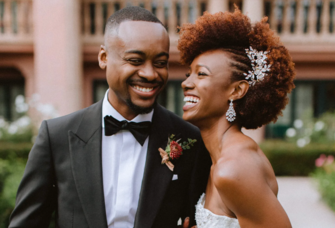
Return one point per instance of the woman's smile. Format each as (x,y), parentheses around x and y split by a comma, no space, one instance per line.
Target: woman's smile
(190,101)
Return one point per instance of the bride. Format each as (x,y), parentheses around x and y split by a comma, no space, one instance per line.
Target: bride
(239,76)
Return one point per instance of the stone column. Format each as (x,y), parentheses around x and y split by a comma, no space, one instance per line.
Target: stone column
(58,54)
(215,6)
(254,9)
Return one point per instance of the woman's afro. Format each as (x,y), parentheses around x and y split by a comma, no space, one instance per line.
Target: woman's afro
(234,32)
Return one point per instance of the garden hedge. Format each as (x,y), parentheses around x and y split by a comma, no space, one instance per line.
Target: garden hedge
(289,160)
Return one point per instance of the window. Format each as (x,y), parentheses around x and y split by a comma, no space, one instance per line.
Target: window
(308,98)
(11,85)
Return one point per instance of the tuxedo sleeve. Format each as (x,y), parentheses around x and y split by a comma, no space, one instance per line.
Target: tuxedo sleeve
(35,200)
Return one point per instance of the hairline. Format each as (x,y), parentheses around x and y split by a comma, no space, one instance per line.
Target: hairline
(112,28)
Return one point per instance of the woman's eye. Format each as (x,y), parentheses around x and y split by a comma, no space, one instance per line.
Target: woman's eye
(187,75)
(202,73)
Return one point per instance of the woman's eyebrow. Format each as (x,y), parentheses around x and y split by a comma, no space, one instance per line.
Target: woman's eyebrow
(201,65)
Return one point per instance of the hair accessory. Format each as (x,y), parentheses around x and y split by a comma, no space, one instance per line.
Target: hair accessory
(231,114)
(259,65)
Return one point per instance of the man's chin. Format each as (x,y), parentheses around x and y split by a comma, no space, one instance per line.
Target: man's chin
(140,109)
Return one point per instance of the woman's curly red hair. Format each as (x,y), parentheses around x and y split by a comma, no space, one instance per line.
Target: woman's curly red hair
(233,32)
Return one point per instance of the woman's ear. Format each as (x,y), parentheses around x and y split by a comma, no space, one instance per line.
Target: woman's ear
(102,57)
(240,89)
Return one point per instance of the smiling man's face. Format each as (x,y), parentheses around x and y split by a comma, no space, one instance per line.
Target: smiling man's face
(136,60)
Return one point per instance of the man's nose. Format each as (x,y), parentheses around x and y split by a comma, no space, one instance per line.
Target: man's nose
(148,72)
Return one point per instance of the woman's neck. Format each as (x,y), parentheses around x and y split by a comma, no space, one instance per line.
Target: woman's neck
(214,135)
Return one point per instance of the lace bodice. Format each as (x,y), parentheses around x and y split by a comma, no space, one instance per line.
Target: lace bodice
(207,219)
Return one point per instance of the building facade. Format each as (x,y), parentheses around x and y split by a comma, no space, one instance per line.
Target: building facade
(50,48)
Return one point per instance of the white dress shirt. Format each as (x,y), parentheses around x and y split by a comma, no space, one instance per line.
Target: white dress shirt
(123,161)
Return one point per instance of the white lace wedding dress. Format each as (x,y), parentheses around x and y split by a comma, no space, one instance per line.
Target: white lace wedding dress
(207,219)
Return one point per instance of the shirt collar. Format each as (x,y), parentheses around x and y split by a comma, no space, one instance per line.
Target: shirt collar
(109,110)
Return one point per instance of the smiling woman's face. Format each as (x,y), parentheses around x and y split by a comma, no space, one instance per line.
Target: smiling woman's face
(207,87)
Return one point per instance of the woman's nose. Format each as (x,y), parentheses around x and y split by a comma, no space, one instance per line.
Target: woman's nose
(187,84)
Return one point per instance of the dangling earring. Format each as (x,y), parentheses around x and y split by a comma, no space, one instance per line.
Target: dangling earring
(231,114)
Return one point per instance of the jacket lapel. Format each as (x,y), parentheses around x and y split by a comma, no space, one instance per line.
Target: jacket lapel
(156,177)
(85,152)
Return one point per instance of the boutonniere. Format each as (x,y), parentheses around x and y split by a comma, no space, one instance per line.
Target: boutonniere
(174,149)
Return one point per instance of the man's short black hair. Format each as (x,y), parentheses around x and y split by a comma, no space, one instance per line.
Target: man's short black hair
(131,13)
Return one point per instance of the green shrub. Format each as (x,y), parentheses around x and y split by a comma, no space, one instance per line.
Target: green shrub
(326,183)
(325,176)
(13,157)
(12,172)
(287,159)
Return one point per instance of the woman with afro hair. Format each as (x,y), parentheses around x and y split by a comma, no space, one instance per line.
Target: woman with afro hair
(239,76)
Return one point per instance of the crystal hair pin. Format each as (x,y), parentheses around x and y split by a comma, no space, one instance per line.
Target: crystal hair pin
(259,65)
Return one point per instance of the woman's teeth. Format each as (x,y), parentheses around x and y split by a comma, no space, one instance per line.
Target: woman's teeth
(142,89)
(191,100)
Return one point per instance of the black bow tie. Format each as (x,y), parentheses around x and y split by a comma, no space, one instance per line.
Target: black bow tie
(139,130)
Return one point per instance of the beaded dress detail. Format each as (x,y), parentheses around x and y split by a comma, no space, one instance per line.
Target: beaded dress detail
(207,219)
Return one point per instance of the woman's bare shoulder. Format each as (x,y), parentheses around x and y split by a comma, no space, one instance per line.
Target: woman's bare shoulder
(241,177)
(240,169)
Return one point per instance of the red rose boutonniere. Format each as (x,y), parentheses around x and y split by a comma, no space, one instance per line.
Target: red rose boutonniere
(174,150)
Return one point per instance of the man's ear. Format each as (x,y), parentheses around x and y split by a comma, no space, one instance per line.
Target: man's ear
(240,88)
(102,57)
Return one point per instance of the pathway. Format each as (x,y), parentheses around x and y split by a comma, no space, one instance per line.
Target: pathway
(302,203)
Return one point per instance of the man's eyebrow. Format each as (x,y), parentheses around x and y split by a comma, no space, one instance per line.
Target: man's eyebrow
(142,53)
(163,54)
(135,52)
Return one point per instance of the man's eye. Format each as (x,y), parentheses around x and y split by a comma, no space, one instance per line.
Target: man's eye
(135,61)
(202,73)
(161,64)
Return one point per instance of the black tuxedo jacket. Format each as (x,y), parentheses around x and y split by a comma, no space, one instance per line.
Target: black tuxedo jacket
(64,174)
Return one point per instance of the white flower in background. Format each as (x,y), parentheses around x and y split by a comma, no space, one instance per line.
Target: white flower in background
(20,105)
(307,140)
(34,100)
(319,125)
(19,99)
(291,132)
(47,110)
(13,128)
(24,121)
(301,142)
(3,122)
(298,124)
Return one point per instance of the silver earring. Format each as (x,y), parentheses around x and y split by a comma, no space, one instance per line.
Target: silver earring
(231,114)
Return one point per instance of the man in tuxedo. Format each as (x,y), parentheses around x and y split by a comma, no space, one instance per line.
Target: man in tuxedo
(100,166)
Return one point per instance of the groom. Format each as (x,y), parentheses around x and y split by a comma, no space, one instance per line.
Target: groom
(94,167)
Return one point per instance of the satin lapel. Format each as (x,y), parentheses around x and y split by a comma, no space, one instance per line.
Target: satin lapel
(85,149)
(156,177)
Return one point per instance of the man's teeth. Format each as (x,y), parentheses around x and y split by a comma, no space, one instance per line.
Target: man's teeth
(191,99)
(143,89)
